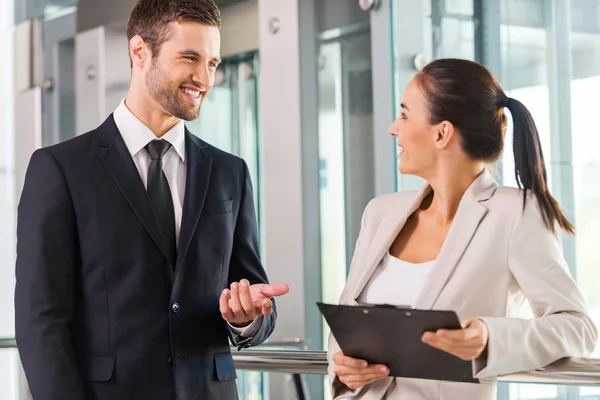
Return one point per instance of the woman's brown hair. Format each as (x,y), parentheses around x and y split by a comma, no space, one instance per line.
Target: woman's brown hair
(467,95)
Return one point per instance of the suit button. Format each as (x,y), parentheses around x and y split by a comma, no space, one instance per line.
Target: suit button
(175,308)
(170,361)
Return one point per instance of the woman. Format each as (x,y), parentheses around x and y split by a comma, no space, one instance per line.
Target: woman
(463,243)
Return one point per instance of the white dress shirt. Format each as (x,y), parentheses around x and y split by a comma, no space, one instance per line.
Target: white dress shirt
(396,282)
(136,136)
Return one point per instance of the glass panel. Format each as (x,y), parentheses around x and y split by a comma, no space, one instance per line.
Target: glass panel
(459,7)
(43,9)
(589,392)
(445,33)
(524,77)
(217,119)
(249,124)
(7,175)
(9,360)
(532,392)
(251,385)
(585,86)
(332,196)
(345,155)
(457,39)
(9,374)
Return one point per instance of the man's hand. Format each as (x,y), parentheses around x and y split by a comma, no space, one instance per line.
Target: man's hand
(356,373)
(467,343)
(243,303)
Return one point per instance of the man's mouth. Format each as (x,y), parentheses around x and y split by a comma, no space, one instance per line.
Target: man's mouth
(194,94)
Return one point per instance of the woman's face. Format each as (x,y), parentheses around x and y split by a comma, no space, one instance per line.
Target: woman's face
(416,137)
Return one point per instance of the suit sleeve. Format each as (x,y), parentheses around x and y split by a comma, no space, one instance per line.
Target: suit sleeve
(246,264)
(561,327)
(46,251)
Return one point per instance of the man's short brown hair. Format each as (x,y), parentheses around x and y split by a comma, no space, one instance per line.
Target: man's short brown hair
(150,18)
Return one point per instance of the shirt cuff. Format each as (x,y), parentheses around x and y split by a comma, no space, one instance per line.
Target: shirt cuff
(245,332)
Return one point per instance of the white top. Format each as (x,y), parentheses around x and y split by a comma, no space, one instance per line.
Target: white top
(396,282)
(136,136)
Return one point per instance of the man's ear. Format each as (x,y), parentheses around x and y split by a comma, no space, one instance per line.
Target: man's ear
(138,51)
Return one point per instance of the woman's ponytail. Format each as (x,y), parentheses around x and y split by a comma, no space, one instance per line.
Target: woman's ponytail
(530,170)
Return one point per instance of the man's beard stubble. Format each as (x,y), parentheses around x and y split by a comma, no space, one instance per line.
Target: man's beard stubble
(166,93)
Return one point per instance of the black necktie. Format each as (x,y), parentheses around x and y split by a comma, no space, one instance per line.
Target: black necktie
(160,195)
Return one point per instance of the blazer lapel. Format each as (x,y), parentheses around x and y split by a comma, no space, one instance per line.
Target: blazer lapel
(120,164)
(466,221)
(386,233)
(197,180)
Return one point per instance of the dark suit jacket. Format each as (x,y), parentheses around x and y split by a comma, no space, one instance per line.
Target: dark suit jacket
(100,312)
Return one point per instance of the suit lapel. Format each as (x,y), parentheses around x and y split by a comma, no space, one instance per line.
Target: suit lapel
(197,180)
(466,221)
(120,164)
(386,233)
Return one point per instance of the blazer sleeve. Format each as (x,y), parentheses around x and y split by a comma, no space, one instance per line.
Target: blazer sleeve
(245,261)
(561,327)
(45,273)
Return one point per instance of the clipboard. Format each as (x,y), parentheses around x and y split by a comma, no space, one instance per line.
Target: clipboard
(391,335)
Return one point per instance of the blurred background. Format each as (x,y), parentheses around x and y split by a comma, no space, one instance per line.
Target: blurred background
(305,95)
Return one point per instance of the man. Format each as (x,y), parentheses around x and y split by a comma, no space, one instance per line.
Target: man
(137,251)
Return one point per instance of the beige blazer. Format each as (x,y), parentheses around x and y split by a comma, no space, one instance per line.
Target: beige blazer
(495,255)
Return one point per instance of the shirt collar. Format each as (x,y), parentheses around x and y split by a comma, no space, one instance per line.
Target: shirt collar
(137,135)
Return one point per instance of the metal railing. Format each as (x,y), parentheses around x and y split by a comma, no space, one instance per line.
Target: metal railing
(568,371)
(7,343)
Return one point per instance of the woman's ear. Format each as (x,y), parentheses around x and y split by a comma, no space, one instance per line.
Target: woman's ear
(444,133)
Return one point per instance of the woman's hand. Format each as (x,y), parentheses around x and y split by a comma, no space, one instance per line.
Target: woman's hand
(467,343)
(356,373)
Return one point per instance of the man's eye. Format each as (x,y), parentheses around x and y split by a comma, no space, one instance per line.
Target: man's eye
(189,58)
